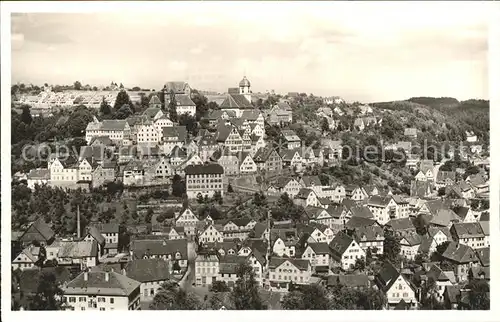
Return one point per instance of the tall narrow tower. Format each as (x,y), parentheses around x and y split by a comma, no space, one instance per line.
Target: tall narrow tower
(245,89)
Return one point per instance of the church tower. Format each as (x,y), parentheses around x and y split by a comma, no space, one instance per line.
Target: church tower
(245,89)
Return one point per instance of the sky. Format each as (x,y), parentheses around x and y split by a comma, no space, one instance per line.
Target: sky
(357,50)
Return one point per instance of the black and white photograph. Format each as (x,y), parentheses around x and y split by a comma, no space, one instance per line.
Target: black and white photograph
(247,156)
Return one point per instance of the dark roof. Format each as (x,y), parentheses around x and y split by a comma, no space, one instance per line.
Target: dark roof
(301,264)
(159,247)
(175,131)
(379,201)
(356,222)
(303,193)
(106,228)
(94,232)
(78,249)
(387,276)
(339,244)
(461,211)
(39,231)
(400,224)
(459,253)
(361,211)
(320,248)
(152,111)
(437,274)
(259,229)
(204,169)
(147,270)
(184,100)
(229,264)
(235,101)
(468,230)
(177,87)
(484,255)
(96,283)
(368,233)
(311,181)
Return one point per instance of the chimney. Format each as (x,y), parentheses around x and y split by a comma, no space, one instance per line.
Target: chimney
(85,276)
(78,222)
(106,276)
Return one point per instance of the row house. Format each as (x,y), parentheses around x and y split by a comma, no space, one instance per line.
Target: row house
(173,136)
(345,251)
(470,234)
(291,139)
(318,254)
(283,271)
(188,220)
(287,185)
(268,159)
(370,238)
(237,228)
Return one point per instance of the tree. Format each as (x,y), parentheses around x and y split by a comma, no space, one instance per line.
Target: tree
(325,127)
(171,297)
(230,188)
(122,99)
(219,286)
(48,294)
(149,215)
(441,191)
(309,297)
(217,197)
(190,123)
(245,294)
(420,225)
(199,198)
(479,295)
(392,246)
(76,144)
(201,103)
(26,117)
(124,112)
(360,264)
(178,186)
(172,107)
(77,85)
(105,109)
(259,199)
(429,294)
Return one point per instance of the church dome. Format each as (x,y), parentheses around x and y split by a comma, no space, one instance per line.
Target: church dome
(245,82)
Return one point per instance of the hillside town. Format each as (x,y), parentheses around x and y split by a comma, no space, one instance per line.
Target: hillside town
(134,199)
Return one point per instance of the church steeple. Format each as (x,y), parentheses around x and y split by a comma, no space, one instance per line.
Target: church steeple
(245,88)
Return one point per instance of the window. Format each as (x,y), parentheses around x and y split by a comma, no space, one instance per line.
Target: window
(112,300)
(72,299)
(102,309)
(83,308)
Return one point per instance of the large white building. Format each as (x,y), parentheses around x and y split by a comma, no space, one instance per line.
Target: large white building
(103,291)
(116,130)
(204,179)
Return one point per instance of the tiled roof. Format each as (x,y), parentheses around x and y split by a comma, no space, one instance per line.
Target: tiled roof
(39,174)
(311,181)
(175,131)
(152,111)
(235,101)
(106,228)
(147,270)
(412,239)
(159,247)
(361,211)
(177,87)
(459,253)
(387,276)
(484,255)
(339,244)
(444,217)
(96,234)
(184,100)
(117,284)
(400,224)
(78,249)
(301,264)
(468,230)
(229,264)
(303,193)
(356,222)
(379,201)
(368,233)
(320,248)
(250,115)
(112,125)
(204,169)
(40,228)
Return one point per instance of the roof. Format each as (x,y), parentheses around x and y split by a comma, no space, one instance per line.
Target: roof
(259,229)
(461,211)
(468,230)
(339,244)
(356,222)
(311,181)
(112,125)
(303,193)
(400,224)
(485,227)
(244,82)
(437,274)
(175,131)
(184,100)
(444,217)
(250,115)
(301,264)
(290,135)
(235,101)
(204,169)
(117,284)
(361,211)
(94,232)
(229,264)
(77,249)
(39,174)
(413,239)
(459,253)
(39,228)
(140,248)
(152,111)
(444,175)
(147,270)
(368,233)
(319,248)
(387,276)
